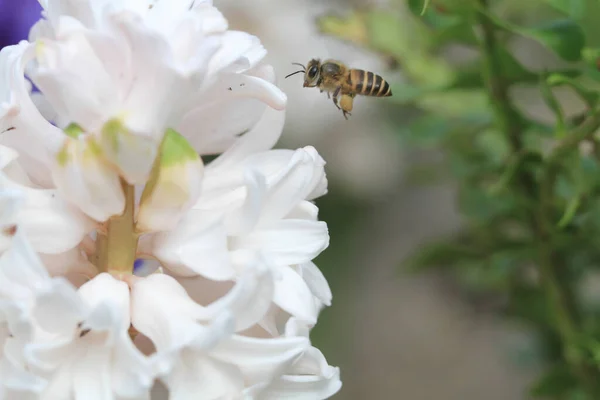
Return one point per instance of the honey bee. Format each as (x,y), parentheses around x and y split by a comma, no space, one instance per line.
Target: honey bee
(344,83)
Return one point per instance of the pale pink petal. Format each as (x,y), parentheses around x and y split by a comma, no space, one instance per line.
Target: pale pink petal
(73,261)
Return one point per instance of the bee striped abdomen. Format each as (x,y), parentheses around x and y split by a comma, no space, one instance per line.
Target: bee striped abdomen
(367,83)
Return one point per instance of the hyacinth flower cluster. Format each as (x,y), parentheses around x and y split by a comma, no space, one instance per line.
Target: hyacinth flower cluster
(109,114)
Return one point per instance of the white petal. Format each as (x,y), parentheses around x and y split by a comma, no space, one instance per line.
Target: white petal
(107,291)
(288,241)
(83,176)
(49,222)
(23,127)
(303,173)
(21,271)
(100,361)
(304,210)
(91,378)
(239,51)
(197,245)
(162,310)
(298,387)
(73,79)
(250,298)
(58,308)
(273,324)
(11,200)
(214,125)
(132,154)
(158,90)
(174,185)
(132,374)
(293,295)
(21,384)
(260,359)
(317,283)
(243,219)
(203,378)
(311,377)
(261,137)
(232,86)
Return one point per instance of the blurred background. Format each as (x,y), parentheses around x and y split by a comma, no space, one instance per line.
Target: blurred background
(395,334)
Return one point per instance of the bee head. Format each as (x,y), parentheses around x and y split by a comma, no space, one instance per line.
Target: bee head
(312,73)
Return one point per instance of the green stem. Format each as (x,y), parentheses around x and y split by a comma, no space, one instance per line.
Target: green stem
(116,250)
(507,117)
(557,291)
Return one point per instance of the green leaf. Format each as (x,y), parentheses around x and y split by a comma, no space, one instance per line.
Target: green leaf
(570,211)
(558,381)
(573,8)
(589,96)
(591,56)
(514,164)
(425,5)
(563,36)
(445,26)
(494,146)
(433,17)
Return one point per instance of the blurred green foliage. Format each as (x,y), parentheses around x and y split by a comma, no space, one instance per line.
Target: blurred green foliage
(529,190)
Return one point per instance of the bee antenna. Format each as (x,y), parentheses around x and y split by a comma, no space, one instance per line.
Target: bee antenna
(300,65)
(293,73)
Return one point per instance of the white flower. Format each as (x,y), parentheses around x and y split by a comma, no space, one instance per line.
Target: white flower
(82,345)
(104,165)
(255,200)
(198,353)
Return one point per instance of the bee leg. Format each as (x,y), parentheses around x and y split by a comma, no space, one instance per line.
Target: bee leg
(328,95)
(336,94)
(346,102)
